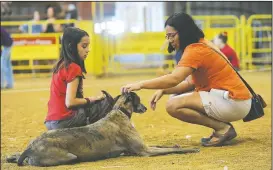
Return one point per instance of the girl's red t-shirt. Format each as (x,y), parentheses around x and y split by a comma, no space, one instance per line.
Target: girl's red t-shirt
(57,109)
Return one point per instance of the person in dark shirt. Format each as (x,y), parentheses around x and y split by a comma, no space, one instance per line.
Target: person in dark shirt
(6,67)
(50,26)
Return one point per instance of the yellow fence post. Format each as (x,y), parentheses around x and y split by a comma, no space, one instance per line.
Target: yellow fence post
(90,62)
(264,53)
(243,42)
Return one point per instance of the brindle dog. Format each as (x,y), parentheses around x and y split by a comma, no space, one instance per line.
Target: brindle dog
(107,138)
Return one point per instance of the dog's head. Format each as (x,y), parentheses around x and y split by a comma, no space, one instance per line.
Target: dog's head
(129,102)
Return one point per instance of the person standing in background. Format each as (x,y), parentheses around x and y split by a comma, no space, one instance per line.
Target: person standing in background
(6,67)
(50,26)
(221,42)
(36,28)
(71,13)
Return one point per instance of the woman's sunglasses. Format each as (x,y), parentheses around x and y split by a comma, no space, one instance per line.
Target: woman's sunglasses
(170,35)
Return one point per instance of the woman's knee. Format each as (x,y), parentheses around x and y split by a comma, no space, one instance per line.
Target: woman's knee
(180,108)
(172,107)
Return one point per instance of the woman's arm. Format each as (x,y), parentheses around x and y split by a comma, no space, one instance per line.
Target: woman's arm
(183,87)
(168,81)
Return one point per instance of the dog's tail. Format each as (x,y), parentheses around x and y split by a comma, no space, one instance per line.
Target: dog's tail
(23,156)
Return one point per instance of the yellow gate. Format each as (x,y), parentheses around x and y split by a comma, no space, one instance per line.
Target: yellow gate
(215,24)
(250,38)
(32,52)
(135,52)
(147,45)
(258,46)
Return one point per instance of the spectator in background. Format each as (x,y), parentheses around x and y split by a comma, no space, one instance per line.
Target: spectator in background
(6,8)
(221,42)
(36,28)
(6,67)
(69,12)
(49,27)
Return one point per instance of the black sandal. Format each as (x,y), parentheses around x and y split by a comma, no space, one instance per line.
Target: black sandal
(204,140)
(230,134)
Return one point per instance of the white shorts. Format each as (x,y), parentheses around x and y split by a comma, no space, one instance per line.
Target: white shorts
(218,105)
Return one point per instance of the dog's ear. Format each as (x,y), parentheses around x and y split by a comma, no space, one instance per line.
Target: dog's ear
(128,97)
(116,98)
(137,105)
(135,98)
(108,97)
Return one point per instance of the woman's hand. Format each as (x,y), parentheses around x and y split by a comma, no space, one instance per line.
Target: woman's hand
(131,87)
(156,96)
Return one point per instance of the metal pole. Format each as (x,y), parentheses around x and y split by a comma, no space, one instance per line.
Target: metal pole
(93,8)
(101,11)
(188,7)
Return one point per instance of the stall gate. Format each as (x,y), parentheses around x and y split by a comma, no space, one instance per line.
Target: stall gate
(143,52)
(258,42)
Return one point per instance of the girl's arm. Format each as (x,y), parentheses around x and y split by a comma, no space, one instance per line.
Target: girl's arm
(71,91)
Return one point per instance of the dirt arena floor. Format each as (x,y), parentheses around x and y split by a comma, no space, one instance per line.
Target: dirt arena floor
(24,108)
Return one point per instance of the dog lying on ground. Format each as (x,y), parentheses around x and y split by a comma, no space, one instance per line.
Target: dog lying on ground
(107,138)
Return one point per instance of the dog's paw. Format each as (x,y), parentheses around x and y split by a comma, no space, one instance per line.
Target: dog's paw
(13,158)
(176,146)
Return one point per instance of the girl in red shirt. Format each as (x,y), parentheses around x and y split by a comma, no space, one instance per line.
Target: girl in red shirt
(66,106)
(221,42)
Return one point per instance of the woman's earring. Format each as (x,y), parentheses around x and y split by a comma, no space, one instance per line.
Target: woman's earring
(170,48)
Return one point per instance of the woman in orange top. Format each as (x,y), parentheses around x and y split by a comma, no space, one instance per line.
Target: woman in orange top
(209,92)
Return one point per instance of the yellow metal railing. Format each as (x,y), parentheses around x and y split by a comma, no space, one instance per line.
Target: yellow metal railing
(30,47)
(264,53)
(104,46)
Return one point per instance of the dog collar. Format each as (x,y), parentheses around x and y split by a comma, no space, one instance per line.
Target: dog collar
(125,112)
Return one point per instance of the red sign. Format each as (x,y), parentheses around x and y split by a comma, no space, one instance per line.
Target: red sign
(23,41)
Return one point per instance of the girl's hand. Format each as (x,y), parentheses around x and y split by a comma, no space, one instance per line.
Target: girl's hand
(96,98)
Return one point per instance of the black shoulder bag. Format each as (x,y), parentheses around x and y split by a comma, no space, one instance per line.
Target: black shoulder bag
(257,103)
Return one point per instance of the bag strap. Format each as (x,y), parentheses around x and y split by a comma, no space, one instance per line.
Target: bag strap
(225,58)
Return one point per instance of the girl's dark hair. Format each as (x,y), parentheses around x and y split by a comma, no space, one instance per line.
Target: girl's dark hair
(187,30)
(223,36)
(69,52)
